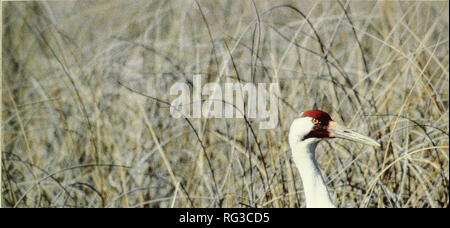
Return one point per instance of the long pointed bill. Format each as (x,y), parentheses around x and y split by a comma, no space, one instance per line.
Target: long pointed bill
(338,131)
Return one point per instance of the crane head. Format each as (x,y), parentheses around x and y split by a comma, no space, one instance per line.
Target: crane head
(315,125)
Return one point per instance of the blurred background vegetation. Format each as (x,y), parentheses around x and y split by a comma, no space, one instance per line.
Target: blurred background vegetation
(81,126)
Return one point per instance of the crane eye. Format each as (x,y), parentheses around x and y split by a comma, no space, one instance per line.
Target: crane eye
(315,121)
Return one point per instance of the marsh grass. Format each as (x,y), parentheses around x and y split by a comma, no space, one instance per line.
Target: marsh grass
(85,123)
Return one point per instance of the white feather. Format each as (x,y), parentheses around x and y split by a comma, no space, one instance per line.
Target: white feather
(303,153)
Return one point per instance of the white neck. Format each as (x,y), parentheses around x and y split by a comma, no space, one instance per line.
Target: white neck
(316,192)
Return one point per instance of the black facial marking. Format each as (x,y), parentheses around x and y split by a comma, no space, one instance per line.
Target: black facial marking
(320,129)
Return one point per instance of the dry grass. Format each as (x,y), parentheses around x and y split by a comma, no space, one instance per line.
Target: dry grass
(74,137)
